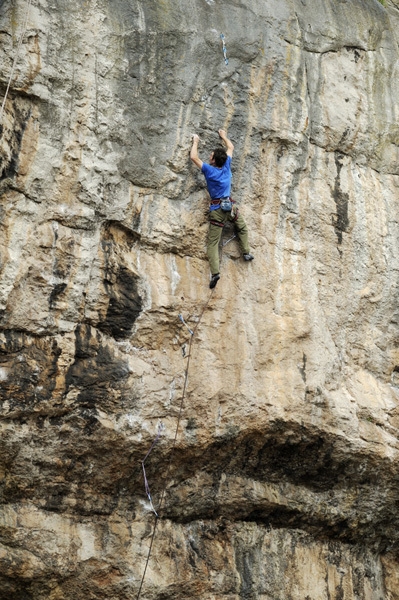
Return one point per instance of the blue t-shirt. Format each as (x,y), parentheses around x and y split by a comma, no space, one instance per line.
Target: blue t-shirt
(218,181)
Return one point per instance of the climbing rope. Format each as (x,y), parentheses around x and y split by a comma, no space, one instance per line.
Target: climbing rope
(21,37)
(157,513)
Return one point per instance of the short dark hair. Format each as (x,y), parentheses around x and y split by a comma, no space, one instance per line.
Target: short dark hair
(219,156)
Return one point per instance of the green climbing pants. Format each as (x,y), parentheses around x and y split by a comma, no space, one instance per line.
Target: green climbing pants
(217,219)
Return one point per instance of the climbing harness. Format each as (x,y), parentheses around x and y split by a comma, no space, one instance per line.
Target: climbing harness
(161,427)
(157,514)
(24,28)
(226,60)
(233,220)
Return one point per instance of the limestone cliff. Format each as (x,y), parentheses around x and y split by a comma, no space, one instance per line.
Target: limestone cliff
(283,483)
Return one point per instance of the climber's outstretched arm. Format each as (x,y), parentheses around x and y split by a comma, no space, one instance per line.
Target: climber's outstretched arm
(229,144)
(194,152)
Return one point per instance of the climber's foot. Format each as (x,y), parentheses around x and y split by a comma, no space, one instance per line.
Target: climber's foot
(248,256)
(214,280)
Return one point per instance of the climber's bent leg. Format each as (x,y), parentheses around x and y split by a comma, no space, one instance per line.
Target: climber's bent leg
(242,232)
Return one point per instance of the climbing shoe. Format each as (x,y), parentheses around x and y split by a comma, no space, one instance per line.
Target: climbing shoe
(248,256)
(214,280)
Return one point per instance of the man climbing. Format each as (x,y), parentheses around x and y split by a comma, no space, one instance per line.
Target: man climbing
(218,180)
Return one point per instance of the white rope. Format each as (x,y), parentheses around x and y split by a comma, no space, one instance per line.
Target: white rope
(24,28)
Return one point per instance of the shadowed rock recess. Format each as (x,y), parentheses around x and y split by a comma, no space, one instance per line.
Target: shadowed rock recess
(284,481)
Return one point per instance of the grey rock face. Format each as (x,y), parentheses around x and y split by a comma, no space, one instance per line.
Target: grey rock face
(282,482)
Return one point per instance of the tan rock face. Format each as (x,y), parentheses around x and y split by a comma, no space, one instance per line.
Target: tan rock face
(282,482)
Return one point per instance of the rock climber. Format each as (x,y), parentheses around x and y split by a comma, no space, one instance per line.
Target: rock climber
(218,180)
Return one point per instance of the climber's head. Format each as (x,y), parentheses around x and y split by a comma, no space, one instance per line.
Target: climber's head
(218,157)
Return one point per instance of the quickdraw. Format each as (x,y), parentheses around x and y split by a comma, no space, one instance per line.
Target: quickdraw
(226,60)
(229,240)
(184,323)
(161,428)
